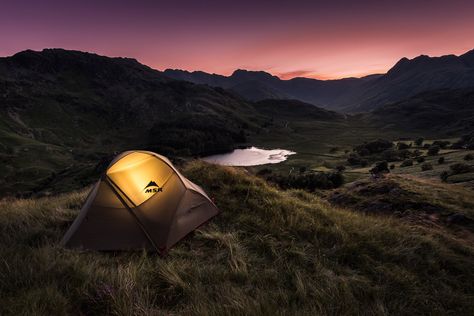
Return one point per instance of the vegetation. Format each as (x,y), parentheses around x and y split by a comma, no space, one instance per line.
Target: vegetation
(433,150)
(426,166)
(309,181)
(267,246)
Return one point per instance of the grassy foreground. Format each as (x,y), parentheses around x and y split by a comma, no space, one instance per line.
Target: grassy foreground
(269,252)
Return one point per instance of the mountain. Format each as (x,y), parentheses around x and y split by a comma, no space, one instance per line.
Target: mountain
(411,77)
(407,78)
(449,111)
(64,114)
(260,85)
(61,111)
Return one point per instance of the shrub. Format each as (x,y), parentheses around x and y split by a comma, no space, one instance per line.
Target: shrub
(380,167)
(405,154)
(373,147)
(419,141)
(401,146)
(469,157)
(441,160)
(426,166)
(392,166)
(390,155)
(407,163)
(441,143)
(420,159)
(444,176)
(264,172)
(302,169)
(433,150)
(458,168)
(354,159)
(466,142)
(340,168)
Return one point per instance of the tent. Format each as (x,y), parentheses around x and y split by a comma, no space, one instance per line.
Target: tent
(141,201)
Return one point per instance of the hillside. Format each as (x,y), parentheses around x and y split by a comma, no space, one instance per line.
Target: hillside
(449,111)
(62,112)
(405,79)
(267,246)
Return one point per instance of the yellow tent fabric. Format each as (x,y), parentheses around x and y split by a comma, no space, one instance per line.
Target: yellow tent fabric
(141,201)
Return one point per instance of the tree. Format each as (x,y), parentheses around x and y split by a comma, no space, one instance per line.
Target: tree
(433,150)
(401,146)
(444,176)
(379,168)
(419,141)
(340,168)
(406,163)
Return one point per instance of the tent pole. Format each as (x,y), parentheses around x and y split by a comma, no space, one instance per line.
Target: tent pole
(112,186)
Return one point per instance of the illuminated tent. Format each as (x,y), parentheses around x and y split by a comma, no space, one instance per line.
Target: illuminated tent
(141,201)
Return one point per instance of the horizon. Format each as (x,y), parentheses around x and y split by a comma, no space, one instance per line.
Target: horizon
(249,70)
(311,39)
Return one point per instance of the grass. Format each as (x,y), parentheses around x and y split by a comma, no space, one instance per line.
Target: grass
(269,252)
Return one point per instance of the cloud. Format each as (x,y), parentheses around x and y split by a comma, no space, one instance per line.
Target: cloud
(295,73)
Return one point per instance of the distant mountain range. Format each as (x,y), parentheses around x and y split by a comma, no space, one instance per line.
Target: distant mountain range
(62,112)
(407,78)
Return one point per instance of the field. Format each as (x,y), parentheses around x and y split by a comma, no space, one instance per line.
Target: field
(267,246)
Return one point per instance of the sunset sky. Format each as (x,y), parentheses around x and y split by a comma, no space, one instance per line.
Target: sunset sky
(320,39)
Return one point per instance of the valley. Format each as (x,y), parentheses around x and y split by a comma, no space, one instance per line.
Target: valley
(372,205)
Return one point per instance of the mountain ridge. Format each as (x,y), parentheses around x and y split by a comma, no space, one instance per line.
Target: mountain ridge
(406,78)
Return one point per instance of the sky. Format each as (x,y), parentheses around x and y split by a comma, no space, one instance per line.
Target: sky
(317,39)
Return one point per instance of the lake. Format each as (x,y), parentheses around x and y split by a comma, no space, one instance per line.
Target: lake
(252,156)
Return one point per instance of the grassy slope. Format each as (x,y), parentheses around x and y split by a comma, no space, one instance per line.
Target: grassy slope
(269,252)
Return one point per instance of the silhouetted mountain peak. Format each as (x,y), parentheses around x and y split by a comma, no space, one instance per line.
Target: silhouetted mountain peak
(241,74)
(57,60)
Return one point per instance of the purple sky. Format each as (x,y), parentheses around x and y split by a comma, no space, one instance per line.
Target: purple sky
(322,39)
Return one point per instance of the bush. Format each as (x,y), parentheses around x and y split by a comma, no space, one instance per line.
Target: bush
(420,159)
(340,168)
(392,166)
(407,163)
(441,160)
(458,168)
(401,146)
(441,143)
(264,172)
(404,154)
(390,155)
(380,167)
(373,147)
(469,157)
(465,142)
(419,141)
(426,166)
(433,150)
(354,160)
(444,176)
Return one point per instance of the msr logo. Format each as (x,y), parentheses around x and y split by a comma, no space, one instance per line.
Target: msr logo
(152,187)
